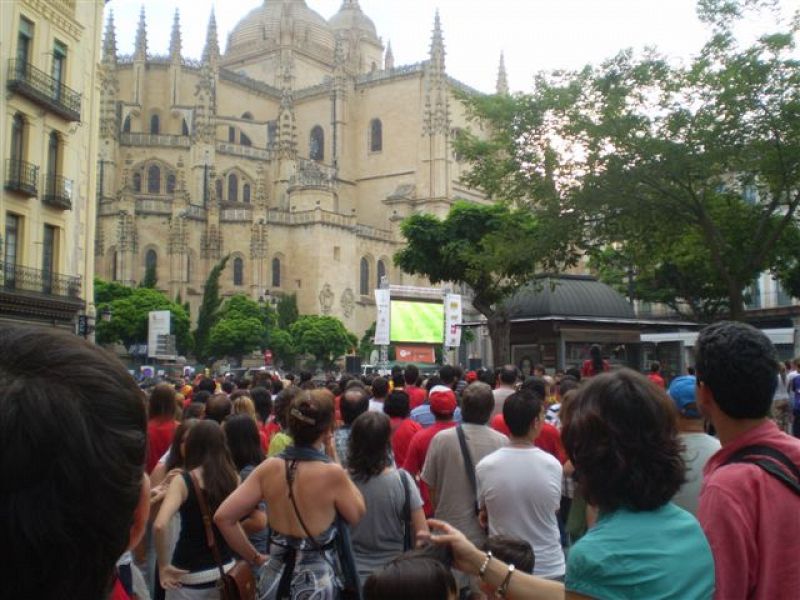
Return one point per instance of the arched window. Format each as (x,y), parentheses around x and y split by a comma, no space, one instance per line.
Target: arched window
(272,133)
(171,183)
(316,144)
(218,189)
(155,125)
(232,135)
(153,180)
(137,182)
(375,135)
(244,140)
(238,271)
(276,272)
(381,272)
(185,128)
(364,280)
(233,188)
(126,125)
(246,193)
(151,264)
(18,138)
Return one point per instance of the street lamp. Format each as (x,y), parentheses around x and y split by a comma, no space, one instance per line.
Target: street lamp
(105,314)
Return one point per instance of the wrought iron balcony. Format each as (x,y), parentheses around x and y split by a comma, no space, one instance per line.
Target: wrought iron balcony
(15,278)
(36,85)
(57,192)
(21,177)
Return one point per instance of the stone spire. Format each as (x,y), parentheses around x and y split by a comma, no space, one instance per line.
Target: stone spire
(350,4)
(175,38)
(437,104)
(287,123)
(389,60)
(140,53)
(211,49)
(502,77)
(110,41)
(437,47)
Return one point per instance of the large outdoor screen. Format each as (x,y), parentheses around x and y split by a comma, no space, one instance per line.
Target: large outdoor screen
(421,322)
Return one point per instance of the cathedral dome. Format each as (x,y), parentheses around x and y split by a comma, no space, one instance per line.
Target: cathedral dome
(264,24)
(351,17)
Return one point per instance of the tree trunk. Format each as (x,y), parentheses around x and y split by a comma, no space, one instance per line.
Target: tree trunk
(736,302)
(500,335)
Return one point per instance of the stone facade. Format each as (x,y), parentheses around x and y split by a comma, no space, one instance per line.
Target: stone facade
(50,106)
(298,152)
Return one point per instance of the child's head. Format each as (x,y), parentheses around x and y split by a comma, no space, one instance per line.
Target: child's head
(414,574)
(512,551)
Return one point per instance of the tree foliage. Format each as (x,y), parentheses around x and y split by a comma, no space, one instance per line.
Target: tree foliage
(208,314)
(150,277)
(287,310)
(243,325)
(106,292)
(323,337)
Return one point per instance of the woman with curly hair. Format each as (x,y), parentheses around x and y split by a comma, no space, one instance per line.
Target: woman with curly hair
(391,496)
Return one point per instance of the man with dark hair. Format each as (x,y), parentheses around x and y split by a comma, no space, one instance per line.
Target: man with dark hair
(73,434)
(262,400)
(506,385)
(447,469)
(519,486)
(354,402)
(416,395)
(448,376)
(218,408)
(228,386)
(380,389)
(751,494)
(305,376)
(206,384)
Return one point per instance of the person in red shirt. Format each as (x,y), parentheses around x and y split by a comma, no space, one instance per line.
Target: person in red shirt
(161,423)
(262,400)
(549,438)
(749,500)
(442,401)
(595,364)
(655,375)
(416,395)
(403,427)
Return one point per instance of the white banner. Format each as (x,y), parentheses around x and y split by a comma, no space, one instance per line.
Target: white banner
(382,303)
(452,320)
(158,324)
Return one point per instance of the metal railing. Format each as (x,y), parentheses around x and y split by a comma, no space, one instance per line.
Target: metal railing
(236,215)
(57,191)
(16,278)
(153,205)
(40,87)
(154,139)
(21,176)
(243,151)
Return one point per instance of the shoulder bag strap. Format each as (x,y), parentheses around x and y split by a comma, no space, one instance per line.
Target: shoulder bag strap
(212,543)
(468,466)
(761,455)
(291,468)
(407,533)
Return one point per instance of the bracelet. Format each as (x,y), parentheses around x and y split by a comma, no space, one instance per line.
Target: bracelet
(485,565)
(503,589)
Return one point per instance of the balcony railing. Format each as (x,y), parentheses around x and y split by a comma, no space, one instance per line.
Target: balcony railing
(15,278)
(57,192)
(27,80)
(21,177)
(154,139)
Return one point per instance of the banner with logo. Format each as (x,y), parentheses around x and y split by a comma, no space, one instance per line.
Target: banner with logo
(452,320)
(158,325)
(382,304)
(417,354)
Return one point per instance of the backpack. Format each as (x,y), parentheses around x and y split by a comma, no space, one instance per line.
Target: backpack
(795,388)
(787,473)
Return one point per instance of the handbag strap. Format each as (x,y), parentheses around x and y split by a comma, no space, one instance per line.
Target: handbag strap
(291,471)
(407,541)
(210,540)
(760,456)
(468,466)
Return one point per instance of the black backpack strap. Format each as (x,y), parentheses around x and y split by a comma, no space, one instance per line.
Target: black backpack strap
(768,458)
(468,466)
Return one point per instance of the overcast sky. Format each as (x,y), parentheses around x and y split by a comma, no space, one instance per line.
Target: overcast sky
(534,34)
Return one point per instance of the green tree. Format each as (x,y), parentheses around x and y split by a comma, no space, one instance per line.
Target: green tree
(207,316)
(493,249)
(243,325)
(130,319)
(323,337)
(106,292)
(150,277)
(287,310)
(283,347)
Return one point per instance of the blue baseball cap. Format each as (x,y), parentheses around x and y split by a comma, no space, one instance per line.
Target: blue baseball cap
(682,390)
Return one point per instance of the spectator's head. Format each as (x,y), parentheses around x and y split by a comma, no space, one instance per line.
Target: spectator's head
(244,443)
(488,377)
(655,366)
(411,576)
(620,433)
(202,397)
(443,402)
(218,407)
(380,387)
(523,414)
(195,410)
(682,391)
(177,449)
(161,404)
(411,374)
(354,402)
(512,551)
(447,374)
(508,375)
(243,405)
(228,386)
(397,404)
(737,371)
(573,372)
(311,417)
(398,380)
(73,434)
(206,384)
(432,382)
(276,386)
(262,401)
(305,376)
(567,383)
(539,370)
(477,403)
(369,447)
(282,403)
(206,448)
(534,384)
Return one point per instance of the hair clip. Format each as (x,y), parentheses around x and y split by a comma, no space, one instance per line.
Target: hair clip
(300,416)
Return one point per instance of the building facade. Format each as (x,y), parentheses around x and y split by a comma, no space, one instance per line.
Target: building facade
(297,153)
(50,53)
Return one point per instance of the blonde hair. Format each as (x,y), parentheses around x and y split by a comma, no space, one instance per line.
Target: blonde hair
(243,405)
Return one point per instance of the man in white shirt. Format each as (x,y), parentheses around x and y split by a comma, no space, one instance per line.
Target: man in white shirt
(380,389)
(519,486)
(506,385)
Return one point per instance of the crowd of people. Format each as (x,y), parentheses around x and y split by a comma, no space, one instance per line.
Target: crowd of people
(592,483)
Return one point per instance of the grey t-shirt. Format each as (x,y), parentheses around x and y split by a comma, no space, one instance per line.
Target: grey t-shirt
(500,394)
(378,536)
(698,448)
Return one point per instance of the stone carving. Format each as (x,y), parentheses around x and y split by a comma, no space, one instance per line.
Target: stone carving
(178,235)
(348,302)
(211,243)
(258,240)
(326,298)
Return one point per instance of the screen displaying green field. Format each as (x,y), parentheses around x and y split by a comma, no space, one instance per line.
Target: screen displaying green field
(421,322)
